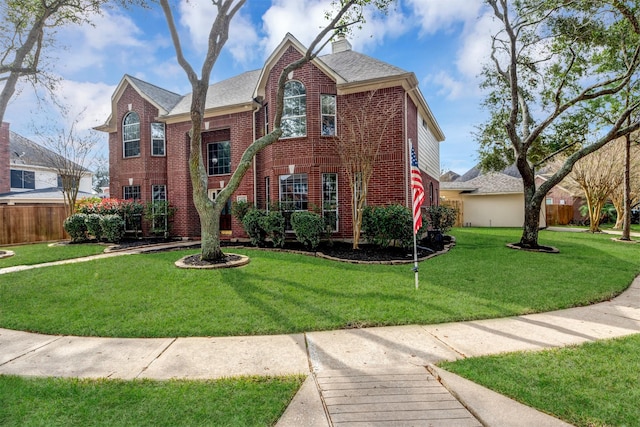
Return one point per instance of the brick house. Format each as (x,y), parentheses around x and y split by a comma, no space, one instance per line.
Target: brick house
(149,144)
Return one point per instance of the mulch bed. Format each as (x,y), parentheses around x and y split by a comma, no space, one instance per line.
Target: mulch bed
(336,249)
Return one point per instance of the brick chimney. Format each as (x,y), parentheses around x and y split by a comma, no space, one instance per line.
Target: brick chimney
(341,44)
(5,175)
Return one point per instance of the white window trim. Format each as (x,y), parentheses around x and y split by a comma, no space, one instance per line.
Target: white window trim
(164,139)
(124,142)
(334,115)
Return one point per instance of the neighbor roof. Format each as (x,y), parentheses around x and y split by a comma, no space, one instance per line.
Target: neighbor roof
(23,151)
(490,183)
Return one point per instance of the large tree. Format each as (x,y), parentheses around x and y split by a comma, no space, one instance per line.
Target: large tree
(550,88)
(27,29)
(342,15)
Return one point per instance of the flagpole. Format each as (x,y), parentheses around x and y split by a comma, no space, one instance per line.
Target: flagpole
(416,218)
(415,257)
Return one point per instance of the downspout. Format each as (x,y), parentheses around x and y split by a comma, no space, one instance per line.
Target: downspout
(255,167)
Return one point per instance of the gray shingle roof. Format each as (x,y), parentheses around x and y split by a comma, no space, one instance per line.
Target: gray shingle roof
(23,151)
(164,98)
(233,91)
(351,66)
(356,67)
(490,183)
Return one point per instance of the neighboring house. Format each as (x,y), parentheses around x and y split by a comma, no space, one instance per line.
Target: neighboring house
(26,174)
(496,199)
(149,144)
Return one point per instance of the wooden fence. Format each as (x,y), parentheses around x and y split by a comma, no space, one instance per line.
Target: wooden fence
(559,214)
(457,205)
(31,223)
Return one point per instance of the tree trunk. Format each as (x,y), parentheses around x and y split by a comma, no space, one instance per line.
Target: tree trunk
(531,225)
(208,211)
(626,211)
(532,204)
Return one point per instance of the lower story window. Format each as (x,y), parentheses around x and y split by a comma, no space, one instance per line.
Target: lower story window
(159,209)
(294,195)
(132,222)
(330,200)
(131,192)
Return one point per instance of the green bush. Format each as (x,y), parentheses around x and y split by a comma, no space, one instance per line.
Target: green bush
(442,217)
(76,226)
(112,227)
(387,225)
(272,224)
(309,228)
(252,224)
(93,225)
(159,215)
(240,209)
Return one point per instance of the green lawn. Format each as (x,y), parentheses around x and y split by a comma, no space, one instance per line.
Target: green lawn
(40,253)
(595,384)
(146,296)
(74,402)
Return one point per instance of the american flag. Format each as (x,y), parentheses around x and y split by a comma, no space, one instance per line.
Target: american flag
(417,190)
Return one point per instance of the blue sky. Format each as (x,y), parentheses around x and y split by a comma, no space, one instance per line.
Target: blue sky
(444,43)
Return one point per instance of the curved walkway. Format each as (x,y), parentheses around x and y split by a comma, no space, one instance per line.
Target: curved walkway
(374,376)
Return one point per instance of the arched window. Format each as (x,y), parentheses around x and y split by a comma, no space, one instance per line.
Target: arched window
(131,135)
(294,115)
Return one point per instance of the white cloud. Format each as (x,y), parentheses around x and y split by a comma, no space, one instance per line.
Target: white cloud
(91,46)
(438,15)
(303,19)
(475,50)
(197,18)
(450,88)
(92,98)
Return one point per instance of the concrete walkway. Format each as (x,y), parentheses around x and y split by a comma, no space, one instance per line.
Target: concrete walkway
(373,377)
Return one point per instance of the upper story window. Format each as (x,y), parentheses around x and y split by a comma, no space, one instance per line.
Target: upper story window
(131,135)
(219,154)
(23,179)
(157,139)
(328,112)
(294,115)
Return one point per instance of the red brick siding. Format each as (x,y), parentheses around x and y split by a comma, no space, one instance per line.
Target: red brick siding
(312,154)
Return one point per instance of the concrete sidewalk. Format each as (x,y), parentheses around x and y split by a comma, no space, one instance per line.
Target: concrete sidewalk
(377,376)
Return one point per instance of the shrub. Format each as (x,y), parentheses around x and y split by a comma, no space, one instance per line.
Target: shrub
(272,224)
(309,228)
(386,225)
(93,225)
(76,226)
(252,224)
(112,227)
(442,217)
(240,209)
(159,215)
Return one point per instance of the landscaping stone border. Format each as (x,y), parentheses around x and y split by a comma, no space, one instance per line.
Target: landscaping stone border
(6,254)
(239,262)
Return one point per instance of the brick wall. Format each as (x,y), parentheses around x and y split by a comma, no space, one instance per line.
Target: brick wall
(5,166)
(312,155)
